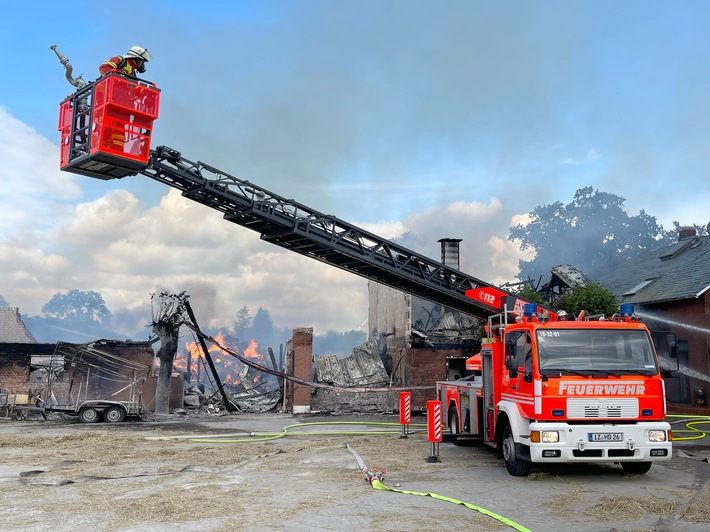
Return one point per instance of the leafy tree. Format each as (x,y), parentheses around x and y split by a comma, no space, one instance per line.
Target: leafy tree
(592,299)
(168,313)
(78,305)
(592,233)
(528,294)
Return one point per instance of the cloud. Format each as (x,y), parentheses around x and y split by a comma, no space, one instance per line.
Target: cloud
(34,189)
(126,250)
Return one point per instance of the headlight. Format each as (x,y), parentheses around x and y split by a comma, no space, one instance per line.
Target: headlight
(657,435)
(550,436)
(544,436)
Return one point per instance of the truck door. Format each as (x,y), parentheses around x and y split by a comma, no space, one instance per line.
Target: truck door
(519,361)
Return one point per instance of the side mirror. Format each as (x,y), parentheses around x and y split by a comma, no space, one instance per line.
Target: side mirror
(673,349)
(511,364)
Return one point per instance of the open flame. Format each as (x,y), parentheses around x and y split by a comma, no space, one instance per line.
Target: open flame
(191,362)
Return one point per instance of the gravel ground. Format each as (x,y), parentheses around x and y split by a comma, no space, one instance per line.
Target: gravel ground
(179,473)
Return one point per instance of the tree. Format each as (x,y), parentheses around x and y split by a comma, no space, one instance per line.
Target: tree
(242,322)
(592,299)
(168,314)
(81,306)
(592,233)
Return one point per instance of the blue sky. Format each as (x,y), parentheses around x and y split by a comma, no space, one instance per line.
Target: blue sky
(443,119)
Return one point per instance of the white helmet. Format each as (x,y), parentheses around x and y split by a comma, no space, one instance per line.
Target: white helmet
(137,52)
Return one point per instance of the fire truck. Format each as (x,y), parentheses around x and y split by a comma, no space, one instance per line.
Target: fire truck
(542,390)
(547,390)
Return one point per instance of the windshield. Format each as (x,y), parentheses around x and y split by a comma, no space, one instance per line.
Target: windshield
(598,350)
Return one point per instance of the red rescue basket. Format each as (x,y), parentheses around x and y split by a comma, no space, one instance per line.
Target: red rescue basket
(105,127)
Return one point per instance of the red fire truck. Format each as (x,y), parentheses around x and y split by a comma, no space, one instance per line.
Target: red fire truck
(545,390)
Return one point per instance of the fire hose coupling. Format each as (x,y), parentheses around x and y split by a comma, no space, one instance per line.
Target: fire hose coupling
(375,474)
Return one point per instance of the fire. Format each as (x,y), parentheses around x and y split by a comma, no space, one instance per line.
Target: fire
(230,369)
(251,351)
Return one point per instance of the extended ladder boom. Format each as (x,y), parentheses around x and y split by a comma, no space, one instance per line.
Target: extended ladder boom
(298,228)
(105,132)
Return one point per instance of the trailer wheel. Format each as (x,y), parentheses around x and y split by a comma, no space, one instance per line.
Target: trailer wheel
(88,415)
(514,465)
(114,414)
(453,420)
(637,468)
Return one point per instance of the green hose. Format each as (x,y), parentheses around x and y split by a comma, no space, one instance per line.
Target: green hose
(690,425)
(380,486)
(267,436)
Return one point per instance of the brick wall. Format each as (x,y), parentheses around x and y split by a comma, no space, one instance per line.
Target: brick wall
(300,366)
(15,366)
(690,321)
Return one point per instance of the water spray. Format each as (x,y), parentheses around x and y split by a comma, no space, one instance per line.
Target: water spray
(679,324)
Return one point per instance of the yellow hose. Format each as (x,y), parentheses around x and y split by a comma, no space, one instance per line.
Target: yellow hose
(690,425)
(267,436)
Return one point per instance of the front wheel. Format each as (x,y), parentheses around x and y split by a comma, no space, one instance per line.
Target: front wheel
(514,465)
(636,468)
(88,415)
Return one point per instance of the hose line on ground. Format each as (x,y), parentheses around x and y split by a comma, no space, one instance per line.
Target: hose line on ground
(267,436)
(378,485)
(691,422)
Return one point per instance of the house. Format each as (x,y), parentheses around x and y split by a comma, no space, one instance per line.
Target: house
(31,369)
(12,328)
(421,342)
(669,289)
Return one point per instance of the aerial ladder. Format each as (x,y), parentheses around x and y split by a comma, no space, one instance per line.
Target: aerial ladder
(106,127)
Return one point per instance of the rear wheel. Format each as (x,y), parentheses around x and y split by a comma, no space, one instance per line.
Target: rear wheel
(114,414)
(636,468)
(453,420)
(514,465)
(88,415)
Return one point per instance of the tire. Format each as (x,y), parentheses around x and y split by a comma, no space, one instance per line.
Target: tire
(515,466)
(636,468)
(114,414)
(453,420)
(88,415)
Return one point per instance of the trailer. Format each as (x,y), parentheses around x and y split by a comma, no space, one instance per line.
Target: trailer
(85,382)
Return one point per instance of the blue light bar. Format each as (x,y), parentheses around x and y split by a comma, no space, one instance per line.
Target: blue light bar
(529,309)
(627,309)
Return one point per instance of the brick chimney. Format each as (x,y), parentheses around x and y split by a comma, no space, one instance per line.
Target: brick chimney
(450,252)
(687,231)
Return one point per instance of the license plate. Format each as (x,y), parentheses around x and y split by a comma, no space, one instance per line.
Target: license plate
(606,436)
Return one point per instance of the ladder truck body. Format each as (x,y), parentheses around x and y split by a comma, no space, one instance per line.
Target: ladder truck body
(544,390)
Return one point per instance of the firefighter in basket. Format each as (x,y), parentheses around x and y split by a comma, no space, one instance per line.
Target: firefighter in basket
(132,61)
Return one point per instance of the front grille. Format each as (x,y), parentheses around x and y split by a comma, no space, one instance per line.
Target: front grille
(592,408)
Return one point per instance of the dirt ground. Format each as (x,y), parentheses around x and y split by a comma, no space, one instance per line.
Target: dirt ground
(211,473)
